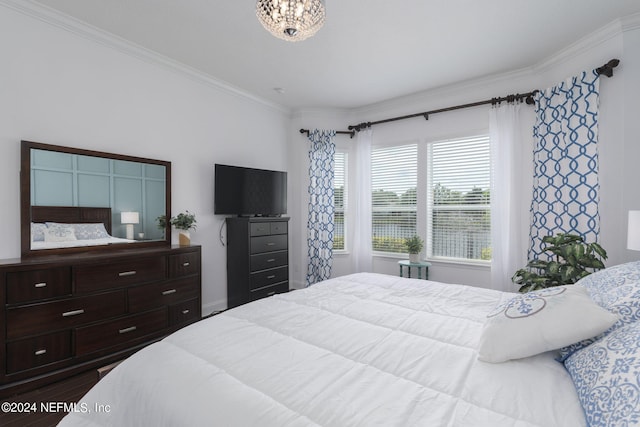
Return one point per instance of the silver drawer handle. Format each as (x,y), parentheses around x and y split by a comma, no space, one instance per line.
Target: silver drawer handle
(273,276)
(186,264)
(169,292)
(185,311)
(271,293)
(271,260)
(72,313)
(127,273)
(125,330)
(40,352)
(271,244)
(40,285)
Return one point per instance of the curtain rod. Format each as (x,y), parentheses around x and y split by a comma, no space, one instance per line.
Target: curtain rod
(606,69)
(351,133)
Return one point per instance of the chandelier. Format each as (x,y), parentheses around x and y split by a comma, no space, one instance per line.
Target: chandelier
(291,20)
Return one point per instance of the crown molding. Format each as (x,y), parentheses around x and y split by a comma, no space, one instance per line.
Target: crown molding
(595,38)
(82,29)
(631,22)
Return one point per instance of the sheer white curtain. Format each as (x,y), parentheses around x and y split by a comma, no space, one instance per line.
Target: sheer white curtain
(360,213)
(510,131)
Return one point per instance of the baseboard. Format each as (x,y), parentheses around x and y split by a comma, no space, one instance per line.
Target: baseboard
(213,307)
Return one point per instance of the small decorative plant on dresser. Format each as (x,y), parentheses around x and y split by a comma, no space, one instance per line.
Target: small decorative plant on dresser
(184,222)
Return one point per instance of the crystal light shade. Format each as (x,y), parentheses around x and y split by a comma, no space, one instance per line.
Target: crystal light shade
(291,20)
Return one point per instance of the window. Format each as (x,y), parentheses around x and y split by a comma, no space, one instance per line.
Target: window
(340,199)
(394,172)
(458,202)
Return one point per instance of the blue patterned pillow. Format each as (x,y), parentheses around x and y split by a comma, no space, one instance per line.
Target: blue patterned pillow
(617,289)
(607,377)
(90,231)
(85,231)
(37,231)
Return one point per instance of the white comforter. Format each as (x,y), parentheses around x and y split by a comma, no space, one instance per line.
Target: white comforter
(360,350)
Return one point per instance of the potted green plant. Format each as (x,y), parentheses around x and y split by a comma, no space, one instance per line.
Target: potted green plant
(571,260)
(183,222)
(414,247)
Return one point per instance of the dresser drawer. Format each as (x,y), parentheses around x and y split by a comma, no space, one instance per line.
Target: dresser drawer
(50,316)
(184,313)
(260,228)
(89,278)
(269,260)
(278,288)
(184,264)
(263,244)
(33,352)
(109,334)
(279,227)
(33,285)
(153,295)
(269,277)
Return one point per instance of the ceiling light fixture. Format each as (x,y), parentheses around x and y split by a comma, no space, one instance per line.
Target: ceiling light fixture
(291,20)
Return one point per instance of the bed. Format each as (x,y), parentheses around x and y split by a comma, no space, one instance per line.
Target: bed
(378,350)
(54,227)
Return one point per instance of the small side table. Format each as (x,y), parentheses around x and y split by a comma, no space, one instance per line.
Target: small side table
(418,265)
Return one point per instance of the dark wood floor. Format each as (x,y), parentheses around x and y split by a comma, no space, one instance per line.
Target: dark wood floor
(69,391)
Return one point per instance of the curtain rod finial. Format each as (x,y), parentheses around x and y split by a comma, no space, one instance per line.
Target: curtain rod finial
(607,69)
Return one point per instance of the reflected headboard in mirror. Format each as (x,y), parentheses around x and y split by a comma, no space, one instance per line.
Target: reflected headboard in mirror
(75,200)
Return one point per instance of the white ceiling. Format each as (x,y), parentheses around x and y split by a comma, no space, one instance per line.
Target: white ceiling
(368,51)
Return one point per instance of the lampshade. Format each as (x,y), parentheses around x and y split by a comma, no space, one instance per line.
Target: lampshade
(291,20)
(129,218)
(633,231)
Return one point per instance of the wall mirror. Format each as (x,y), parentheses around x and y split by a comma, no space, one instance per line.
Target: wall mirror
(74,200)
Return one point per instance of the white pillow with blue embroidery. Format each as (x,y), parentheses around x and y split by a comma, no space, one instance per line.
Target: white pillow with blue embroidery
(540,321)
(59,233)
(607,378)
(616,289)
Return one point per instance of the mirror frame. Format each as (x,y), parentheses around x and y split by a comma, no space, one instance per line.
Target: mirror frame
(25,200)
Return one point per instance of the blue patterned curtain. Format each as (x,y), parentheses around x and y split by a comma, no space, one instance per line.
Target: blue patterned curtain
(565,187)
(321,206)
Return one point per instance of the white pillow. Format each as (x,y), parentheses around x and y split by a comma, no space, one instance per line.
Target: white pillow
(540,321)
(59,233)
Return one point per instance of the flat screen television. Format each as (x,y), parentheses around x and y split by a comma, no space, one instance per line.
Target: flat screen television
(249,192)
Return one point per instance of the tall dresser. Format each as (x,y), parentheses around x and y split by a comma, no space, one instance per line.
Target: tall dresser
(257,258)
(65,314)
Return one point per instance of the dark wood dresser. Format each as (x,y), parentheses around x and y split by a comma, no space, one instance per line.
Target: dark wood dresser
(65,314)
(257,258)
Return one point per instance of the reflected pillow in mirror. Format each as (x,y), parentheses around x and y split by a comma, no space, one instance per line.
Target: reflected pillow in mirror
(37,231)
(59,233)
(90,231)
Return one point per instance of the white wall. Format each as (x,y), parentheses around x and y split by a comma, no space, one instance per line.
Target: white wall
(619,133)
(79,89)
(59,87)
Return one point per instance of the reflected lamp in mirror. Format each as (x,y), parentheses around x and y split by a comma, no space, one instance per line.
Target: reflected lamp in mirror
(633,231)
(129,218)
